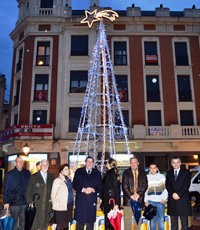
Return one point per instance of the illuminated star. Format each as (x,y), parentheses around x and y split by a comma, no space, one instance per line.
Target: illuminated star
(90,18)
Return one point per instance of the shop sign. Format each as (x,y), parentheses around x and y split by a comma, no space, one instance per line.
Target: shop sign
(26,131)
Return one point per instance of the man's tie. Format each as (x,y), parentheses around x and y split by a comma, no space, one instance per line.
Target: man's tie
(89,172)
(175,175)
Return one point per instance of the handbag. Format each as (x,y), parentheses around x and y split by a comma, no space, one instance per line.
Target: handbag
(149,212)
(51,218)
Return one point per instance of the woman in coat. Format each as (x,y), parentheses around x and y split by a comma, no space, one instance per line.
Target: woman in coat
(62,198)
(110,190)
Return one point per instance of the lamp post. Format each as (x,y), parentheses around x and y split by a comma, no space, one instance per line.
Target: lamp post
(26,149)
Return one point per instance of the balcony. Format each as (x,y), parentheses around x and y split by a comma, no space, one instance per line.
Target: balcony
(46,11)
(165,132)
(28,132)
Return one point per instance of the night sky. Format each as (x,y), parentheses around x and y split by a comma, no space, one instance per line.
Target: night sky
(9,13)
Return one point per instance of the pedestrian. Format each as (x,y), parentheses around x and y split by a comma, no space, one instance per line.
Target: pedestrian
(156,195)
(134,185)
(177,184)
(41,183)
(110,190)
(14,193)
(87,184)
(62,198)
(37,166)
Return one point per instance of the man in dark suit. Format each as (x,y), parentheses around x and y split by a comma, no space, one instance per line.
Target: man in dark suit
(177,185)
(87,184)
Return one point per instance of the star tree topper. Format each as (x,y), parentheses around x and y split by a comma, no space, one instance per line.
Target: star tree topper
(94,16)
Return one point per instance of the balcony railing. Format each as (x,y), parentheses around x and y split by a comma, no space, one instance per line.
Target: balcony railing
(166,132)
(46,11)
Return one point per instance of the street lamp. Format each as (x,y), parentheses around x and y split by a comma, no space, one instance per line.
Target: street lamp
(26,149)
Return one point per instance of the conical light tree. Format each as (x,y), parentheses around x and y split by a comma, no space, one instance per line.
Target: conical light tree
(101,127)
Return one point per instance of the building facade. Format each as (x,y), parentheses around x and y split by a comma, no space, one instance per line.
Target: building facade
(3,104)
(156,56)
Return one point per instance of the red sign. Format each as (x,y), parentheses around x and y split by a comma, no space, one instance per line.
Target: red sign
(40,95)
(151,58)
(26,130)
(122,95)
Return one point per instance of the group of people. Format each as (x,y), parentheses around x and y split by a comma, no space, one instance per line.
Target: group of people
(57,194)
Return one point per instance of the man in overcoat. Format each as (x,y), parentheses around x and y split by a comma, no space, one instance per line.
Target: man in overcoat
(87,184)
(177,185)
(41,183)
(134,185)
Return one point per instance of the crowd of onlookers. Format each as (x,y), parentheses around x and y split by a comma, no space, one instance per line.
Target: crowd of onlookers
(57,195)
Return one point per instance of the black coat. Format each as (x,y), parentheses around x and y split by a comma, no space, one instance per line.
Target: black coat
(128,185)
(85,204)
(181,207)
(15,186)
(110,189)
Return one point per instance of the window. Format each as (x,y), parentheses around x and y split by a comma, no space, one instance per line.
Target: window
(78,81)
(184,89)
(125,114)
(197,179)
(46,4)
(41,88)
(181,54)
(186,117)
(15,119)
(153,89)
(122,86)
(151,55)
(39,117)
(16,97)
(120,53)
(19,63)
(79,45)
(154,118)
(43,54)
(74,118)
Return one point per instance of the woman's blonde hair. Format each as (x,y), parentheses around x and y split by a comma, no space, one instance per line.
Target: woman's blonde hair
(113,164)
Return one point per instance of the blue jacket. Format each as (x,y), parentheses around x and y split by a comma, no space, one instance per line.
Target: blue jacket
(15,185)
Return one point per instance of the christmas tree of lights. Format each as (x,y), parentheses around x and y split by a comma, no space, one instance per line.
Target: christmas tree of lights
(101,127)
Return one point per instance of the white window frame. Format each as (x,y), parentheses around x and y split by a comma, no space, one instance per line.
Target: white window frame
(183,40)
(121,39)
